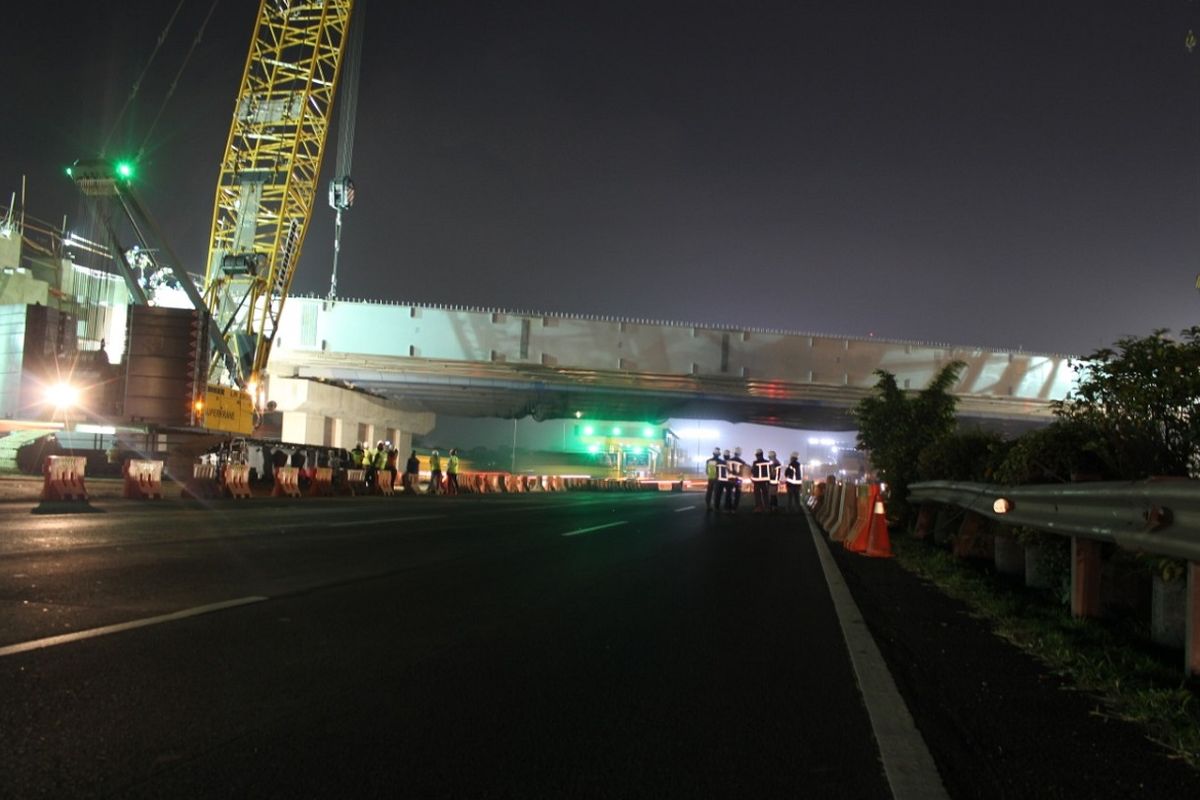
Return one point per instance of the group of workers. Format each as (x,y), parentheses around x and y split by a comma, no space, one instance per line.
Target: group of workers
(767,474)
(384,458)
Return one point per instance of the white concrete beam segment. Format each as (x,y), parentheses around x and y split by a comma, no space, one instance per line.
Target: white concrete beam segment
(396,348)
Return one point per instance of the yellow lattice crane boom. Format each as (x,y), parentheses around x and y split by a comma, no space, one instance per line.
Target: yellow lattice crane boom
(268,179)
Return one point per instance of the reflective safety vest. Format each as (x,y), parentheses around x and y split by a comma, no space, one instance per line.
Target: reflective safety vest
(735,468)
(792,473)
(435,463)
(356,457)
(380,459)
(762,471)
(710,467)
(452,465)
(775,468)
(722,471)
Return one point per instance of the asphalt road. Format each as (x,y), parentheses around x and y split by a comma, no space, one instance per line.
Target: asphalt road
(577,645)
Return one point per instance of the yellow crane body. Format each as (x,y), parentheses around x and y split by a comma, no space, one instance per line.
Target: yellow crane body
(268,177)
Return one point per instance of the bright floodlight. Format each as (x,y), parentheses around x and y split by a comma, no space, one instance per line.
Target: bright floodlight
(62,395)
(1002,505)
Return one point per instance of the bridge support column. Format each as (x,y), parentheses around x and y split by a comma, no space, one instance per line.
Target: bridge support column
(321,414)
(1086,567)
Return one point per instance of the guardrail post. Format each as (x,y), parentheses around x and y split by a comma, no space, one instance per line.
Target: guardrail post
(1085,577)
(1191,641)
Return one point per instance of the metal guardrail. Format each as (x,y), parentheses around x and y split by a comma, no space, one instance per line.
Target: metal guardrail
(1160,516)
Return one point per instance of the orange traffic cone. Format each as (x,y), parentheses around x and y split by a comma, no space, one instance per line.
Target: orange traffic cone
(879,545)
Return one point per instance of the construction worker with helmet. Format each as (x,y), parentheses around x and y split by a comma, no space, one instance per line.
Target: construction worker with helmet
(760,476)
(792,476)
(737,468)
(773,481)
(713,469)
(452,472)
(435,472)
(379,463)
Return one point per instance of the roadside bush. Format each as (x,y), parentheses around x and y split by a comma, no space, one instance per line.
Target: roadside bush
(962,456)
(1139,404)
(1060,452)
(894,426)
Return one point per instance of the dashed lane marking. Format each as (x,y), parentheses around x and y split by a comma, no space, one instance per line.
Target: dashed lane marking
(596,528)
(685,508)
(67,638)
(373,520)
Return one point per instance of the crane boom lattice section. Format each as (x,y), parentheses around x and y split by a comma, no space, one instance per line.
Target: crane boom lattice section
(268,178)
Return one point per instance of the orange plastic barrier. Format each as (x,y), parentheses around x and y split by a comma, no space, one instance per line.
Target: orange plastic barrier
(862,531)
(356,481)
(385,482)
(287,482)
(63,478)
(862,514)
(853,503)
(237,480)
(205,482)
(143,479)
(322,482)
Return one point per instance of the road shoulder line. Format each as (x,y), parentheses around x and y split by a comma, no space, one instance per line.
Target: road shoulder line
(907,764)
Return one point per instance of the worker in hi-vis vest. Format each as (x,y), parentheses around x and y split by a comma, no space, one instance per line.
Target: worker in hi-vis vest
(760,475)
(733,487)
(379,462)
(435,472)
(452,472)
(792,475)
(776,474)
(712,471)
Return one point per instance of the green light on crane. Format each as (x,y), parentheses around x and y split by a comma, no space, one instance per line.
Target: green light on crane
(124,169)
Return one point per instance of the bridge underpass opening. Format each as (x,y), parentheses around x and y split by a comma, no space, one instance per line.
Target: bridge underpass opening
(632,448)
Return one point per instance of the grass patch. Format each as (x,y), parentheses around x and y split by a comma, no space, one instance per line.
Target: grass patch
(1133,684)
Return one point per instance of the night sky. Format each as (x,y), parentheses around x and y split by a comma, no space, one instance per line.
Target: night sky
(1008,174)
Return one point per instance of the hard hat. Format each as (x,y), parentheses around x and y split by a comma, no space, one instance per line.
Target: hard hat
(771,453)
(758,451)
(716,451)
(435,452)
(726,451)
(795,454)
(737,451)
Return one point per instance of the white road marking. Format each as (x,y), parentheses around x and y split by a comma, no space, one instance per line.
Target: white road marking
(596,528)
(906,760)
(685,508)
(368,521)
(67,638)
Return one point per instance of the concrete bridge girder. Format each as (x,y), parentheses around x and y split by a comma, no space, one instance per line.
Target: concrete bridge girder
(496,363)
